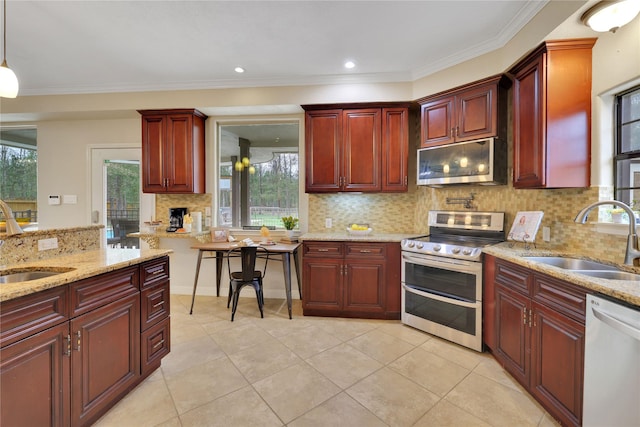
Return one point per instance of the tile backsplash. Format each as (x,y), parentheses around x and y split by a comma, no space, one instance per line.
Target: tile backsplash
(193,203)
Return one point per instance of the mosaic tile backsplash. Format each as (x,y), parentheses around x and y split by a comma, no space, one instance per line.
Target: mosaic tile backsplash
(407,213)
(193,202)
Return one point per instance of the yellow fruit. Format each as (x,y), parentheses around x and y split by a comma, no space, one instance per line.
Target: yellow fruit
(354,226)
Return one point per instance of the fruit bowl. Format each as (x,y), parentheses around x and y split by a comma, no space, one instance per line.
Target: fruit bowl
(361,230)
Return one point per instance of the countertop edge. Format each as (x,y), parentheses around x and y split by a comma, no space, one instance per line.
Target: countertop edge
(86,264)
(624,290)
(344,237)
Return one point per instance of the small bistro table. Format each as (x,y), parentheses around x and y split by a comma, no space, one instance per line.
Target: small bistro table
(221,249)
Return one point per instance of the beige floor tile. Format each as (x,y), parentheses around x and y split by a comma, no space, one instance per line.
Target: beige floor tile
(295,390)
(454,352)
(393,398)
(148,404)
(344,329)
(491,369)
(263,359)
(431,371)
(204,383)
(183,330)
(444,414)
(309,341)
(344,365)
(383,347)
(339,411)
(547,421)
(238,338)
(191,353)
(173,422)
(242,408)
(495,403)
(281,326)
(406,333)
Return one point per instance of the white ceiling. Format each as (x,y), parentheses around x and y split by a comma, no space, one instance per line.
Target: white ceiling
(94,46)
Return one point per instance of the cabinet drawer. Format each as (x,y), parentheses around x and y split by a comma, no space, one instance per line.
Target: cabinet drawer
(565,298)
(512,276)
(25,316)
(367,250)
(322,249)
(155,344)
(154,305)
(152,272)
(97,291)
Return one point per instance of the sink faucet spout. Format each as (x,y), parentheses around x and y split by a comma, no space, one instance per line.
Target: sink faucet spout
(12,224)
(632,253)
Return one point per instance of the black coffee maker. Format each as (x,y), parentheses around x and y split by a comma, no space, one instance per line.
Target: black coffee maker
(176,216)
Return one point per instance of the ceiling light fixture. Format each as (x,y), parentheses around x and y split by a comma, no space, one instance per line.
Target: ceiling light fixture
(8,79)
(610,15)
(349,64)
(239,70)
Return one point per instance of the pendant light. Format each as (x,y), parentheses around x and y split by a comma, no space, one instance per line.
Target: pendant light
(609,15)
(8,79)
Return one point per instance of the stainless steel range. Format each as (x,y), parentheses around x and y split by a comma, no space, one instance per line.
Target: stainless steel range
(442,274)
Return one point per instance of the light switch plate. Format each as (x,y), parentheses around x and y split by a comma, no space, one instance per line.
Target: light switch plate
(328,223)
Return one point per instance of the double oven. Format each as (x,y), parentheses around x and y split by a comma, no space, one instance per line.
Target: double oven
(442,275)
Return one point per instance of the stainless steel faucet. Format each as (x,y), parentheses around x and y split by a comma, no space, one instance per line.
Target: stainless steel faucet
(12,224)
(632,252)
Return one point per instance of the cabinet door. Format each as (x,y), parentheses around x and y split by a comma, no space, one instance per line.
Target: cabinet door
(476,111)
(34,380)
(529,156)
(557,363)
(438,122)
(361,160)
(178,161)
(105,357)
(513,332)
(395,149)
(153,152)
(322,284)
(323,139)
(364,286)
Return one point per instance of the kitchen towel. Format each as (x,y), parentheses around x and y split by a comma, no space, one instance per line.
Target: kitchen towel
(197,221)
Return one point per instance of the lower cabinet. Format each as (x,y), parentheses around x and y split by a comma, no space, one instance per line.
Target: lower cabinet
(539,337)
(351,279)
(71,373)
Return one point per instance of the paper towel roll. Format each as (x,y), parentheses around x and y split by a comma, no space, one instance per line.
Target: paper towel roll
(197,221)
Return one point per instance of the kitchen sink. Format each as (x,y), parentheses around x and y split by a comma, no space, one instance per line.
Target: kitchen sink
(25,275)
(611,275)
(571,263)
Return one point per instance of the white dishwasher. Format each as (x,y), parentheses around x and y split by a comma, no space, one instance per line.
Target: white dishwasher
(611,364)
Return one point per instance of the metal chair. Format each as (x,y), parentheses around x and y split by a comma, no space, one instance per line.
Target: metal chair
(248,276)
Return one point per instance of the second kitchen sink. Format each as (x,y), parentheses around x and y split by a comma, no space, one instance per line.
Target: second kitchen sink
(571,263)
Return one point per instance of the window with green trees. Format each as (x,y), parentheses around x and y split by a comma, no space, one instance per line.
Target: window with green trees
(19,172)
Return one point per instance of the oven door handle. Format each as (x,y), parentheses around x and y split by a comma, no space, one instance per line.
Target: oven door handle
(462,266)
(440,298)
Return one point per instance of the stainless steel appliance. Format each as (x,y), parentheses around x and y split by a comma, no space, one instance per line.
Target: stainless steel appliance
(442,275)
(481,162)
(611,364)
(176,218)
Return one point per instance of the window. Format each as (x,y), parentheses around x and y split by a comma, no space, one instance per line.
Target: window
(627,157)
(19,172)
(258,174)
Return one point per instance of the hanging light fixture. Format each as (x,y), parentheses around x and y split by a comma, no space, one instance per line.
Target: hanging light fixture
(8,79)
(245,163)
(610,15)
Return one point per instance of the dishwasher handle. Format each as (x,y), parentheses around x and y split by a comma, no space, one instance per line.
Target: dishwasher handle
(616,324)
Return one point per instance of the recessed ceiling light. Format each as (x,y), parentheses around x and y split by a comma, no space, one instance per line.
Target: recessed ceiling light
(349,64)
(239,70)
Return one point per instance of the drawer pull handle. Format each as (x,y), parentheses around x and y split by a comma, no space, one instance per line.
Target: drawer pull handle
(365,251)
(158,344)
(161,303)
(323,250)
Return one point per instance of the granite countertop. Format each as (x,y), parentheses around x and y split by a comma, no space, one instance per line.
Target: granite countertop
(84,264)
(625,290)
(346,237)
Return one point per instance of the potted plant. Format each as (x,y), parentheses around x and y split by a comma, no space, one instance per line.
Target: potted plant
(616,215)
(289,224)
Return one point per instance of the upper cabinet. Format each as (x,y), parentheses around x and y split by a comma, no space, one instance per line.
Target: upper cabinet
(473,111)
(552,115)
(356,147)
(173,151)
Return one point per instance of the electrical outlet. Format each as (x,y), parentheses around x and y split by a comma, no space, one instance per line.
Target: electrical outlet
(546,234)
(328,223)
(46,244)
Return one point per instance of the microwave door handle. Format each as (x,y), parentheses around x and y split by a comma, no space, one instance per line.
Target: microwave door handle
(440,298)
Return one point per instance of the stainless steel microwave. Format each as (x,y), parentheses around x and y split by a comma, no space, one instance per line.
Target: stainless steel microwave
(481,162)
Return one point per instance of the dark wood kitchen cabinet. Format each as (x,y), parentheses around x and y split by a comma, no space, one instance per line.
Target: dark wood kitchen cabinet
(552,115)
(173,151)
(473,111)
(69,353)
(356,147)
(351,279)
(539,337)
